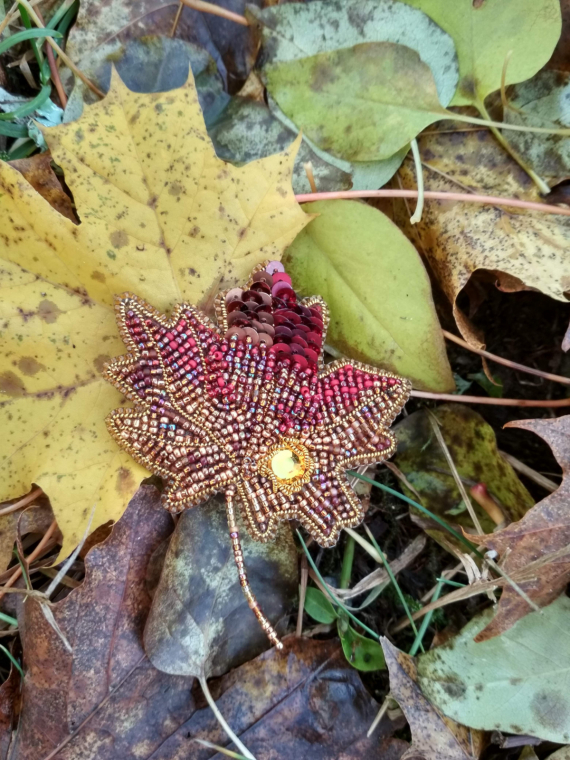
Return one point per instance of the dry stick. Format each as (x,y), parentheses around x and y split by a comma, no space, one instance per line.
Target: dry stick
(53,69)
(308,167)
(215,10)
(22,503)
(533,475)
(176,19)
(458,482)
(506,362)
(493,200)
(18,571)
(65,58)
(495,401)
(302,594)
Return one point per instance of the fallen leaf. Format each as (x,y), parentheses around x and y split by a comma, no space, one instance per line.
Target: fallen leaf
(292,31)
(38,172)
(561,754)
(160,216)
(9,693)
(381,94)
(434,737)
(520,250)
(102,33)
(34,519)
(473,448)
(516,682)
(540,102)
(200,622)
(247,130)
(484,33)
(319,607)
(381,305)
(543,530)
(106,700)
(363,653)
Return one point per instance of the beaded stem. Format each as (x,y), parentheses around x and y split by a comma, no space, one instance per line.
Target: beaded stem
(238,557)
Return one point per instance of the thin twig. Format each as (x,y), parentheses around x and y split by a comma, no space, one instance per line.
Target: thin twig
(64,57)
(487,400)
(458,482)
(533,475)
(176,19)
(308,167)
(417,215)
(53,68)
(506,362)
(18,571)
(22,502)
(216,10)
(493,200)
(302,594)
(222,721)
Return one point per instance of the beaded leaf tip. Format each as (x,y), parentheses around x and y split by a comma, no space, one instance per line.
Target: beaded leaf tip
(248,407)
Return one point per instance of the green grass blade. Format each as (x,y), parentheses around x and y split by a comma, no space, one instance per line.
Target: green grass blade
(13,130)
(28,108)
(425,622)
(415,504)
(27,34)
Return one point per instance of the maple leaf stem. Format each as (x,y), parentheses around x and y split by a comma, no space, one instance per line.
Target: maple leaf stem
(222,721)
(492,200)
(486,400)
(216,10)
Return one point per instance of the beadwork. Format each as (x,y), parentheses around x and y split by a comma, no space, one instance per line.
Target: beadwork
(248,407)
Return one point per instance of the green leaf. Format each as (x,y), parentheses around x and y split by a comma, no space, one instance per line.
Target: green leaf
(297,30)
(362,653)
(27,34)
(516,682)
(200,623)
(318,606)
(377,290)
(485,32)
(473,448)
(381,94)
(542,102)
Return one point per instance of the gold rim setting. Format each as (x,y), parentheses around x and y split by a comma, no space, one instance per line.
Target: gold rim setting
(288,465)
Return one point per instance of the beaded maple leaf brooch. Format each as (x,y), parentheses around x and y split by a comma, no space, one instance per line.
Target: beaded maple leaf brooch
(249,408)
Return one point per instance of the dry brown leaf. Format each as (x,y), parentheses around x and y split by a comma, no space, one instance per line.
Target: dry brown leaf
(434,737)
(543,530)
(8,696)
(106,701)
(35,519)
(520,250)
(37,170)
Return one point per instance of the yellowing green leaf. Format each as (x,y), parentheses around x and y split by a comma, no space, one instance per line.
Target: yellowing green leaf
(161,216)
(516,682)
(377,290)
(486,31)
(381,94)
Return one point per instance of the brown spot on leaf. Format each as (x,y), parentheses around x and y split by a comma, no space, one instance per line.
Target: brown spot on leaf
(98,276)
(11,385)
(30,366)
(550,709)
(101,361)
(119,238)
(175,189)
(48,311)
(125,484)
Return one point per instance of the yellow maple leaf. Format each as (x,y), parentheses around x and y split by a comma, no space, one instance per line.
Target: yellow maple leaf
(161,216)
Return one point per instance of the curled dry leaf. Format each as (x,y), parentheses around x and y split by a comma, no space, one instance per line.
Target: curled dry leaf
(520,250)
(434,737)
(33,519)
(161,216)
(544,529)
(37,170)
(106,700)
(200,622)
